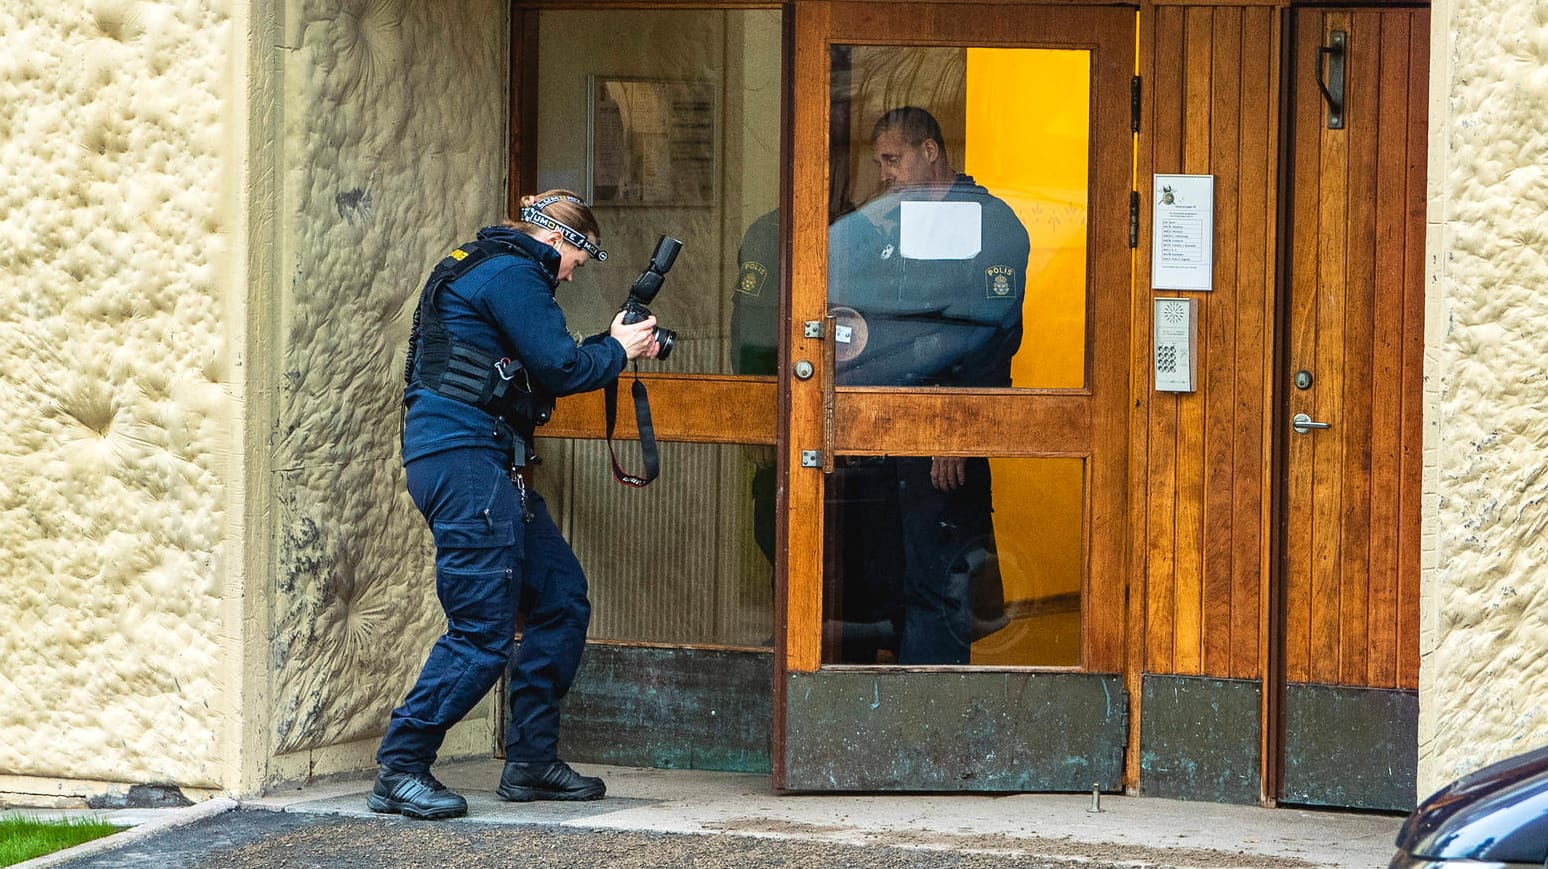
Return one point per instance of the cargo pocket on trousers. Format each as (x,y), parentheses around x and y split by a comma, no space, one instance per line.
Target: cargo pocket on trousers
(474,579)
(475,547)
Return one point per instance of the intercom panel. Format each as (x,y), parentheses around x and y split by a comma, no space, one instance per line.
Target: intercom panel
(1176,333)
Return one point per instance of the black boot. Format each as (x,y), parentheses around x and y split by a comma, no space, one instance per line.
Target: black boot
(554,780)
(414,795)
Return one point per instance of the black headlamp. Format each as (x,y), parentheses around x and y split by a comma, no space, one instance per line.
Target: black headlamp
(534,215)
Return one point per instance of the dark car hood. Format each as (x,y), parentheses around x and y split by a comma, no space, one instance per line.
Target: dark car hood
(1499,813)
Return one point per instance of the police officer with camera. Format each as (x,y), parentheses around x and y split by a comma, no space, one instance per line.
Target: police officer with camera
(489,353)
(947,313)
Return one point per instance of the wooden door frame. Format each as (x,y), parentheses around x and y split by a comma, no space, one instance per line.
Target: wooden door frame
(1098,429)
(742,404)
(951,418)
(750,422)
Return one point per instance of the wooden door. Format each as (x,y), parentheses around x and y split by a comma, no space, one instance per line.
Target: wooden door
(1351,417)
(869,727)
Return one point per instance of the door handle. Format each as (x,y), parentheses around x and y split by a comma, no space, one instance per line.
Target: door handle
(1333,87)
(1303,423)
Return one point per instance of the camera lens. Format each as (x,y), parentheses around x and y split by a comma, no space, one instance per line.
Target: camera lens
(665,337)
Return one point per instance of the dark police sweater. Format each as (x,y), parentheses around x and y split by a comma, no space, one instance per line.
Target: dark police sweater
(505,307)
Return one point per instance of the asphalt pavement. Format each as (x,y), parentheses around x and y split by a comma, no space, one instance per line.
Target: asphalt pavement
(678,818)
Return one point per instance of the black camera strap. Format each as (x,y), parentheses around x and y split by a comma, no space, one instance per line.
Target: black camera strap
(642,422)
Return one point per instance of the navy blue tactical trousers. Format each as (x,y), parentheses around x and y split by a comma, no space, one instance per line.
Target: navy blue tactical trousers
(490,562)
(939,528)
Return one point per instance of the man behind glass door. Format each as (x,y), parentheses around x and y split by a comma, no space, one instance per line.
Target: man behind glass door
(755,350)
(927,283)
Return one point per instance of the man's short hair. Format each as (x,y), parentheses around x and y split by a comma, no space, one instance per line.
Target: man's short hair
(914,124)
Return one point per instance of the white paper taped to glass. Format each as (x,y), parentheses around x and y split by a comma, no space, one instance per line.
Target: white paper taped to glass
(940,230)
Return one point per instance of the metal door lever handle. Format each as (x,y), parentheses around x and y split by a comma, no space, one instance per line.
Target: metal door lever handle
(1333,87)
(1303,423)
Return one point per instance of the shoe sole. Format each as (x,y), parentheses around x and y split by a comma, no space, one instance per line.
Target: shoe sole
(527,795)
(385,806)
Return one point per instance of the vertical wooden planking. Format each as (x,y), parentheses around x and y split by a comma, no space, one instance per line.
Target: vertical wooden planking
(1212,109)
(1301,354)
(1328,464)
(1190,423)
(1351,552)
(1279,128)
(1387,352)
(1219,401)
(1253,410)
(1362,72)
(1413,352)
(1351,547)
(1270,623)
(1161,498)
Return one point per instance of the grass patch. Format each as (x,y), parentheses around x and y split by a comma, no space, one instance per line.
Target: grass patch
(22,838)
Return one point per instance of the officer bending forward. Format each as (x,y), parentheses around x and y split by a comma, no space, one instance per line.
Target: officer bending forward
(489,353)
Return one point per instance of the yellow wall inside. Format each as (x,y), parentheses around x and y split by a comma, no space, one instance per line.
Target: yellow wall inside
(1039,502)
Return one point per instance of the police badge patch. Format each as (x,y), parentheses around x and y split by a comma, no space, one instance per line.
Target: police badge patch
(753,276)
(999,282)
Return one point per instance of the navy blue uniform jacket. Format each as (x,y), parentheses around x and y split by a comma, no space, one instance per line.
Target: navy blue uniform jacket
(505,306)
(931,322)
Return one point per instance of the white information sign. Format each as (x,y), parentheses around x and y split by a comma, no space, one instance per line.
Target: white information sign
(1182,248)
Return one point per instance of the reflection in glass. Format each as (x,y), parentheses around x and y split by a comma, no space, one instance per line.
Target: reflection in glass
(755,299)
(918,574)
(925,281)
(956,258)
(929,206)
(669,120)
(679,561)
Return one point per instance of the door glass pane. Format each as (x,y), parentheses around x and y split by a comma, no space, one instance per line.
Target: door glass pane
(957,245)
(669,123)
(957,258)
(988,573)
(687,559)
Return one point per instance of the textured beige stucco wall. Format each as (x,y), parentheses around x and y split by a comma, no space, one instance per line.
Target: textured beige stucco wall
(394,150)
(1484,636)
(120,387)
(209,573)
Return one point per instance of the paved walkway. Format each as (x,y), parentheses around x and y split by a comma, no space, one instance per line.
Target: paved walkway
(1061,829)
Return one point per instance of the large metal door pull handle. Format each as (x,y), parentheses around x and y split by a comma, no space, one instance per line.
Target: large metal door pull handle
(1302,423)
(1333,87)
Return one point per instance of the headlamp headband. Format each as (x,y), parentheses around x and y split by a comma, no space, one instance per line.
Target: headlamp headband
(534,215)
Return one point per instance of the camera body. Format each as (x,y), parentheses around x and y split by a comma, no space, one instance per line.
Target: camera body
(645,288)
